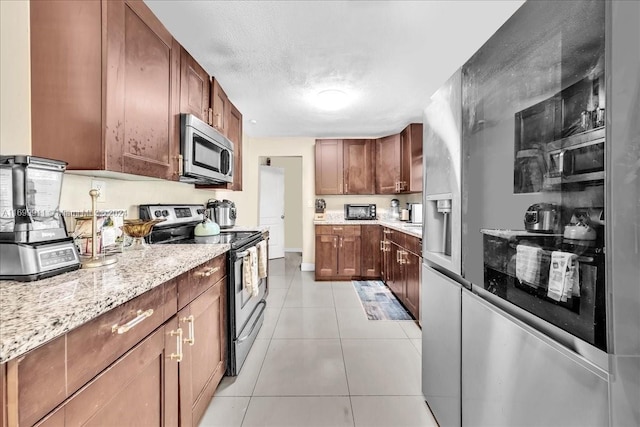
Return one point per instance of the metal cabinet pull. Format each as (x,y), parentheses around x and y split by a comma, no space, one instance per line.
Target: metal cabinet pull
(208,272)
(337,228)
(386,231)
(177,356)
(140,316)
(192,335)
(341,242)
(335,242)
(382,245)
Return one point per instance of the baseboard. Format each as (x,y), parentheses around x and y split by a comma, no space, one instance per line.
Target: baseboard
(293,250)
(307,266)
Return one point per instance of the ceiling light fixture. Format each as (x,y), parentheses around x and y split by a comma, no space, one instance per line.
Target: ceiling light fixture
(331,99)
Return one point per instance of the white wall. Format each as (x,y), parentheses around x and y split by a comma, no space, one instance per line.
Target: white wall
(15,106)
(292,200)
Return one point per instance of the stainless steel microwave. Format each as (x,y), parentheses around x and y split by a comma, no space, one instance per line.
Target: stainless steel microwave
(206,155)
(359,211)
(577,159)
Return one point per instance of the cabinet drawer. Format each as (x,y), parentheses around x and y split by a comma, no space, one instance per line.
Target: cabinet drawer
(337,230)
(204,276)
(98,343)
(395,236)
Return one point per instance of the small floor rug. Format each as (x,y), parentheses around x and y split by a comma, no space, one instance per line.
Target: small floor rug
(378,301)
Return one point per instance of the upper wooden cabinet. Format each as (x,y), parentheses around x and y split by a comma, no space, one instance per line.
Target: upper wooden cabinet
(411,169)
(220,108)
(329,170)
(358,166)
(399,162)
(388,155)
(344,166)
(195,87)
(104,92)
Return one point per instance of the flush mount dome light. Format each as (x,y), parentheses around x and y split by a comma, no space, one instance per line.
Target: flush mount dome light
(331,99)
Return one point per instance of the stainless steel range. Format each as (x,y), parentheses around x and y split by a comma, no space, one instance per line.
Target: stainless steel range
(245,312)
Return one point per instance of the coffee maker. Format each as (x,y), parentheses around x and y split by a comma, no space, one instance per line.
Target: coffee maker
(33,238)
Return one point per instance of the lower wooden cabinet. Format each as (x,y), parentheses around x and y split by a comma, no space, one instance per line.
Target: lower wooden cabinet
(140,388)
(203,363)
(137,364)
(401,268)
(338,252)
(370,263)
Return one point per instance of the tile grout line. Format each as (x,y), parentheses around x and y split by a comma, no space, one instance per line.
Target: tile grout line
(344,362)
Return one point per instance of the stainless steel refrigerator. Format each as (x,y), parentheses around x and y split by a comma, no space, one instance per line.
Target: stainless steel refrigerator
(531,245)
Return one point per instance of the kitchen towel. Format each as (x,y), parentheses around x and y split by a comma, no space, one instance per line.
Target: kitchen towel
(250,280)
(262,259)
(564,276)
(528,260)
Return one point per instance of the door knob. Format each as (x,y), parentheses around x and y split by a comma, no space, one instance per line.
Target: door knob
(281,216)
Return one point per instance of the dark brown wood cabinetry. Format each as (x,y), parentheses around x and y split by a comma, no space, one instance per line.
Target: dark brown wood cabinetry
(203,364)
(388,155)
(338,252)
(105,90)
(401,268)
(195,87)
(329,166)
(140,351)
(399,162)
(235,135)
(358,166)
(220,107)
(344,166)
(371,237)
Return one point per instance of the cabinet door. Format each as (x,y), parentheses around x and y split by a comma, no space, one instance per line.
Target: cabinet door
(388,164)
(412,283)
(326,255)
(194,87)
(142,73)
(371,251)
(235,135)
(220,105)
(396,272)
(349,256)
(358,166)
(411,136)
(329,170)
(144,374)
(203,326)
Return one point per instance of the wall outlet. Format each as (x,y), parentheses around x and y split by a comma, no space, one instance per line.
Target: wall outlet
(101,186)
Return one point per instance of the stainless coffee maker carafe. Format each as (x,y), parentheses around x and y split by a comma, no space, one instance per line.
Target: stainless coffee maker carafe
(33,239)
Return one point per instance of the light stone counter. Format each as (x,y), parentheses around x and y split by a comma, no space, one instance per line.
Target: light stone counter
(410,229)
(33,313)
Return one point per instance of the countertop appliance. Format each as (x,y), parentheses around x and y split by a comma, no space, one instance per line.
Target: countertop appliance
(206,156)
(222,212)
(245,313)
(360,212)
(394,210)
(415,212)
(33,239)
(543,218)
(321,205)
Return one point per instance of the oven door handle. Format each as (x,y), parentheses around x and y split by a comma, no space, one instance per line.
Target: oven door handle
(264,305)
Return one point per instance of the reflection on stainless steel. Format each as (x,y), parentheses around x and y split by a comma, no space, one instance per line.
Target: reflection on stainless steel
(518,367)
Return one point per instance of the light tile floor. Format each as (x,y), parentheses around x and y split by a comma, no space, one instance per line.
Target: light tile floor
(318,361)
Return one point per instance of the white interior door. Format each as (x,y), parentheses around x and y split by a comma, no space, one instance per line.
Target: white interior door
(271,205)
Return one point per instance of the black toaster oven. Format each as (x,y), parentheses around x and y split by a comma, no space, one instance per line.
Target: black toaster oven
(365,212)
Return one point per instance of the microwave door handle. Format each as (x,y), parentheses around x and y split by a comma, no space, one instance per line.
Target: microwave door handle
(561,162)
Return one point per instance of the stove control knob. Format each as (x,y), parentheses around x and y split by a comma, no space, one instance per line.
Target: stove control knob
(200,211)
(165,213)
(157,213)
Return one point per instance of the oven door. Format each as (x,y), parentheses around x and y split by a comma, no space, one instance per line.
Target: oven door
(246,314)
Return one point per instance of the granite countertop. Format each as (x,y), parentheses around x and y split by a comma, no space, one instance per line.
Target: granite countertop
(407,228)
(33,313)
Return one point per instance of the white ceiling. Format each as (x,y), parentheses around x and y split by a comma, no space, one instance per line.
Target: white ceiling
(273,57)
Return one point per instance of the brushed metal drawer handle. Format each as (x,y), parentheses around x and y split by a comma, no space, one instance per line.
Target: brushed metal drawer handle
(177,356)
(192,334)
(208,272)
(337,228)
(140,316)
(387,231)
